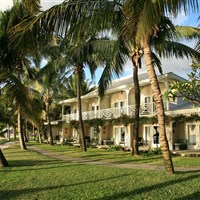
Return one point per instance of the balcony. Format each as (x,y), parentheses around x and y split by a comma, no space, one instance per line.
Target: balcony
(145,109)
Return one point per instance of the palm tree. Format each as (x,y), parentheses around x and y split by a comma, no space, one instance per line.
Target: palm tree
(15,60)
(46,86)
(9,57)
(141,22)
(144,27)
(71,87)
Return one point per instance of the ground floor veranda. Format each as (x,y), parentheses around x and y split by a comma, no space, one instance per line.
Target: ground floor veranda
(181,136)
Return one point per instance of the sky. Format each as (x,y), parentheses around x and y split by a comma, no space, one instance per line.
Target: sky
(178,66)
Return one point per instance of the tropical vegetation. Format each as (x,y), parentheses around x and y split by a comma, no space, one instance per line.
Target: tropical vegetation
(88,34)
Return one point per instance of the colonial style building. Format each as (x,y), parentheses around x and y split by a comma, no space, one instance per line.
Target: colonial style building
(110,120)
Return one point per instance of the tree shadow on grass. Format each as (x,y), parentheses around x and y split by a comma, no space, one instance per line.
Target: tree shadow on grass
(187,170)
(9,194)
(194,196)
(139,161)
(123,195)
(25,163)
(31,168)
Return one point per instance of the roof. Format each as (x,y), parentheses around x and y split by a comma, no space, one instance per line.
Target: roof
(125,83)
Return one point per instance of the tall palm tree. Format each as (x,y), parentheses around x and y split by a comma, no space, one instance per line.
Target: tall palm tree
(145,26)
(13,60)
(141,22)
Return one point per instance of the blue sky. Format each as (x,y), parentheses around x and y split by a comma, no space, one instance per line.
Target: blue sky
(178,66)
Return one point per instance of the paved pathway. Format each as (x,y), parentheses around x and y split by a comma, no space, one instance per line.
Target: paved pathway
(7,144)
(92,162)
(144,166)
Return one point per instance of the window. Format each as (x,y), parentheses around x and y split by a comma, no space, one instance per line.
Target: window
(95,108)
(173,100)
(149,105)
(119,104)
(67,110)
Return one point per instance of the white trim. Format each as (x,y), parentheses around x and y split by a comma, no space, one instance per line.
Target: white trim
(184,111)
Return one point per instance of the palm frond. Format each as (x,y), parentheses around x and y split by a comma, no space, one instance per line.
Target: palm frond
(170,48)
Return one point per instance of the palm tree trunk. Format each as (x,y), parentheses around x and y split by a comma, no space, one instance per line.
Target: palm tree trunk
(135,149)
(14,129)
(49,125)
(20,131)
(33,132)
(3,161)
(39,136)
(25,131)
(8,136)
(81,127)
(160,109)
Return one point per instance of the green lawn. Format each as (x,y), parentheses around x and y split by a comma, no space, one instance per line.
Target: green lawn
(3,140)
(110,155)
(36,177)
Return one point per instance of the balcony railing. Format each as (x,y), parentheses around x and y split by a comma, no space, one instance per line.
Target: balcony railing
(110,113)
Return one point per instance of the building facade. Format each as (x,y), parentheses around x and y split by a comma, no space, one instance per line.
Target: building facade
(110,120)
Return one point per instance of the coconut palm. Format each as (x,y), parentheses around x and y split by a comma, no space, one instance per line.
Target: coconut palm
(14,62)
(141,21)
(145,26)
(71,87)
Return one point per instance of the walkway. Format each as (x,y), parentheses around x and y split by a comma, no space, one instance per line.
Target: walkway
(144,166)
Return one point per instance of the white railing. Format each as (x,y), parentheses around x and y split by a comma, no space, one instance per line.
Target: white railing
(110,113)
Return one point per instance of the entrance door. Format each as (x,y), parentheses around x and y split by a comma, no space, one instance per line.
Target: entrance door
(151,136)
(120,135)
(75,135)
(147,135)
(156,136)
(94,135)
(193,131)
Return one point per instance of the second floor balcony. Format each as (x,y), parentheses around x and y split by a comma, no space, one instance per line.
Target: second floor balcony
(109,113)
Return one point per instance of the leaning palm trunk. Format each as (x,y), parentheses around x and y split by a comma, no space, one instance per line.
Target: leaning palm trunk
(3,161)
(160,109)
(135,149)
(81,127)
(20,131)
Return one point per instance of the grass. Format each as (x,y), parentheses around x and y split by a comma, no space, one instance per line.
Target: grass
(108,155)
(113,156)
(3,140)
(33,176)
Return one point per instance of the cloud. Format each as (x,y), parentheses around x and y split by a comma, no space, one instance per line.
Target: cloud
(46,4)
(5,4)
(180,67)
